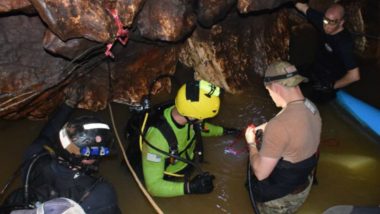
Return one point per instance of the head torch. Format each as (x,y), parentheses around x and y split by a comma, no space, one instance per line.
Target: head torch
(328,21)
(279,77)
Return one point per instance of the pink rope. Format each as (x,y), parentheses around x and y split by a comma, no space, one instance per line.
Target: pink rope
(121,34)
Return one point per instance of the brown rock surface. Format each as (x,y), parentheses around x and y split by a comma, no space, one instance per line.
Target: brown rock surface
(166,20)
(222,41)
(15,5)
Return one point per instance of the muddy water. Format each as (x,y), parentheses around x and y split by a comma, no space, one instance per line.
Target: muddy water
(348,171)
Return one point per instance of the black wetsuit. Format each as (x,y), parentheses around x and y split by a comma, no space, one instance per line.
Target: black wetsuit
(51,178)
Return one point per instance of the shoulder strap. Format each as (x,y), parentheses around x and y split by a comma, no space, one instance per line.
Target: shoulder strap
(162,124)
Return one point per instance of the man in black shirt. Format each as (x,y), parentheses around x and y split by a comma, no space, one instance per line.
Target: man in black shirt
(335,65)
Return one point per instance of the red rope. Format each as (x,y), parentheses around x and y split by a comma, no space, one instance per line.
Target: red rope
(121,34)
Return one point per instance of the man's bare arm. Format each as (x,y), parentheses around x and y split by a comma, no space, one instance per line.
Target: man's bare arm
(262,166)
(351,76)
(302,7)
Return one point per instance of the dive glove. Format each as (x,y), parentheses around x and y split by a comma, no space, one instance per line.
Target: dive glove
(231,131)
(200,184)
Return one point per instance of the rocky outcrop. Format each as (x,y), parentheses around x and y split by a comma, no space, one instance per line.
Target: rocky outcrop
(49,46)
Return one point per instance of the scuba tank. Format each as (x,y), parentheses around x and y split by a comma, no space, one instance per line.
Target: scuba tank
(145,116)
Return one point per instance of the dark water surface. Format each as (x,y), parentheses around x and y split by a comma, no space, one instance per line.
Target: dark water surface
(348,171)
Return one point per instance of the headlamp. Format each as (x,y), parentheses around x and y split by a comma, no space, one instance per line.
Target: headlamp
(280,77)
(328,21)
(211,89)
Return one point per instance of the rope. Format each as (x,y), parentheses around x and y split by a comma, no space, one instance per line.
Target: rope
(141,186)
(249,177)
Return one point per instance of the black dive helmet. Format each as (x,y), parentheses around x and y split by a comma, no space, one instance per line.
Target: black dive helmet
(84,138)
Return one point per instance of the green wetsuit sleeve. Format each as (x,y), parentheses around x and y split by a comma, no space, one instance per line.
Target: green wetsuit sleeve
(154,165)
(212,130)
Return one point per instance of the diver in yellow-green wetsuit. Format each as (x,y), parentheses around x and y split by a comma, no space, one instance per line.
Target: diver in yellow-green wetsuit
(177,132)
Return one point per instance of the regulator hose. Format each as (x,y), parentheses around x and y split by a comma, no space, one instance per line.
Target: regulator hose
(251,197)
(30,167)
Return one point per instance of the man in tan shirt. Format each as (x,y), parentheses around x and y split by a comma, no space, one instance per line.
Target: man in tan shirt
(283,162)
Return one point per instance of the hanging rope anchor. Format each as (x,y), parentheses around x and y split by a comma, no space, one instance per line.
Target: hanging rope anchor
(121,34)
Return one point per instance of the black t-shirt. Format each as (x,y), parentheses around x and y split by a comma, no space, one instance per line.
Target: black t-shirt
(335,52)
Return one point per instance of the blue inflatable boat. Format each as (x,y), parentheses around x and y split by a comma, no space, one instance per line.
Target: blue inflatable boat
(366,114)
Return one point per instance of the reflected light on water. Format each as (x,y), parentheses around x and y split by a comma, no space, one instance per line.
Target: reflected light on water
(350,161)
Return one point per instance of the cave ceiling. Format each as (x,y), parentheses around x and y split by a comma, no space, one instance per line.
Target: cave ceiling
(114,49)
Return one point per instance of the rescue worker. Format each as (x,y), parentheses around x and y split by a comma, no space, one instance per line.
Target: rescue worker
(283,162)
(177,132)
(63,161)
(335,65)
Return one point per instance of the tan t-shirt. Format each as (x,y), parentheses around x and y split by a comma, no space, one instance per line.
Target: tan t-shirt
(294,133)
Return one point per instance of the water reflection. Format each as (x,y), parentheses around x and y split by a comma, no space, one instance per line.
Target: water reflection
(351,161)
(347,172)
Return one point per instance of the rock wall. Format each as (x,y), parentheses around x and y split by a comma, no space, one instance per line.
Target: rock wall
(114,49)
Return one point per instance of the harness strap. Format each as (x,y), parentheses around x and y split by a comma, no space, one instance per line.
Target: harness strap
(163,125)
(198,137)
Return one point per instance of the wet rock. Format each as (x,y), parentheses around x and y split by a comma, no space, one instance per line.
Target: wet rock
(15,5)
(72,19)
(222,41)
(225,55)
(136,68)
(246,6)
(210,12)
(128,10)
(166,20)
(355,24)
(97,91)
(27,72)
(69,49)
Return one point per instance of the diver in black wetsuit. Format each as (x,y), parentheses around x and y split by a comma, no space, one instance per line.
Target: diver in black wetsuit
(62,162)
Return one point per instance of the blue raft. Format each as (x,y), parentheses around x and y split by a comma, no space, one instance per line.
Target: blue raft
(366,114)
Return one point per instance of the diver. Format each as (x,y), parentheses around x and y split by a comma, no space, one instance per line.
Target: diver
(63,161)
(173,141)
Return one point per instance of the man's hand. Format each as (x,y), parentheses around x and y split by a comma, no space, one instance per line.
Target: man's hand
(254,136)
(302,7)
(200,184)
(250,135)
